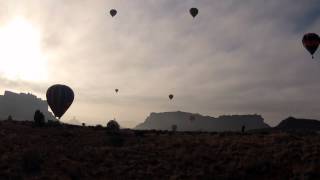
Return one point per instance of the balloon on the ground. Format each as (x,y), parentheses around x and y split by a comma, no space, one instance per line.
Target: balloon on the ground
(311,42)
(194,12)
(113,12)
(59,98)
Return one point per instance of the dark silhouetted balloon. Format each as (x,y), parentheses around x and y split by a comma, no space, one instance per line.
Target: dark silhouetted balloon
(59,98)
(311,42)
(113,12)
(170,96)
(194,12)
(116,90)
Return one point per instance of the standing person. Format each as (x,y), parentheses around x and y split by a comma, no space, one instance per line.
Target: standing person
(243,128)
(39,118)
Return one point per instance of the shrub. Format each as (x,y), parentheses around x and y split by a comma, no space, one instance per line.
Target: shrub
(31,161)
(113,130)
(9,118)
(83,124)
(174,128)
(139,133)
(54,123)
(38,119)
(115,140)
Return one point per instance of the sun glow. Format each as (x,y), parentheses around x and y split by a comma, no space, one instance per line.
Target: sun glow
(20,52)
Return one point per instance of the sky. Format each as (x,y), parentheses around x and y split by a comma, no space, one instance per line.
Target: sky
(235,57)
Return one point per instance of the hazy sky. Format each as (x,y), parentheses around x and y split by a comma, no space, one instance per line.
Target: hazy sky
(235,57)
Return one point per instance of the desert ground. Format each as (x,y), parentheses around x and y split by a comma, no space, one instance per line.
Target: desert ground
(75,152)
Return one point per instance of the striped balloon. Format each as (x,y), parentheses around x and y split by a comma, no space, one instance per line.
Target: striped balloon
(59,98)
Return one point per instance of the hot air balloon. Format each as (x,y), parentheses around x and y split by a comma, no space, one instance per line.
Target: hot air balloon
(59,98)
(113,12)
(116,90)
(311,42)
(194,12)
(170,96)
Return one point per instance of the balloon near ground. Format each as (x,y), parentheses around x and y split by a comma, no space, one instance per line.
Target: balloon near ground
(113,12)
(170,96)
(194,12)
(311,42)
(59,98)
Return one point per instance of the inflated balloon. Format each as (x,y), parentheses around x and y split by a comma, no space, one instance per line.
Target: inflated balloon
(311,42)
(170,96)
(194,12)
(113,12)
(59,98)
(116,90)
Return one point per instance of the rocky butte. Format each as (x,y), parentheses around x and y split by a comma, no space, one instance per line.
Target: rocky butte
(22,106)
(292,123)
(196,122)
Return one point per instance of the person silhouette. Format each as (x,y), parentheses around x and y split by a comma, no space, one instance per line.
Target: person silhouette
(36,115)
(39,118)
(243,128)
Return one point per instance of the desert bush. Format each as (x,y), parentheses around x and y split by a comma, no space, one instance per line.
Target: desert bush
(39,119)
(31,161)
(174,128)
(113,127)
(67,133)
(260,167)
(54,123)
(99,126)
(9,118)
(139,133)
(115,140)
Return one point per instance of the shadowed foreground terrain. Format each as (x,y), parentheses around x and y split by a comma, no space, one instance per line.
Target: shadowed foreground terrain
(73,152)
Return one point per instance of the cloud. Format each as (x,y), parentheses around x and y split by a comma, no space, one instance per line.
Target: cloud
(234,57)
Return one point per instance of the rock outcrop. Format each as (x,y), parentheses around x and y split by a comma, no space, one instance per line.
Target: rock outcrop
(196,122)
(22,106)
(292,123)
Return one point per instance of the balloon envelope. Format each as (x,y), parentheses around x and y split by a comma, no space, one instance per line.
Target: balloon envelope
(113,12)
(311,42)
(116,90)
(170,96)
(59,98)
(194,12)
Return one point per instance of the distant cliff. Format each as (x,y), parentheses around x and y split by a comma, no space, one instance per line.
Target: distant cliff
(292,123)
(196,122)
(22,106)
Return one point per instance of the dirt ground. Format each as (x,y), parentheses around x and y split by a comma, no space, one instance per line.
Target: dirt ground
(74,152)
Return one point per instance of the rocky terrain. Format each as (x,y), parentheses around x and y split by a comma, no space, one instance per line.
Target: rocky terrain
(292,123)
(195,122)
(75,152)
